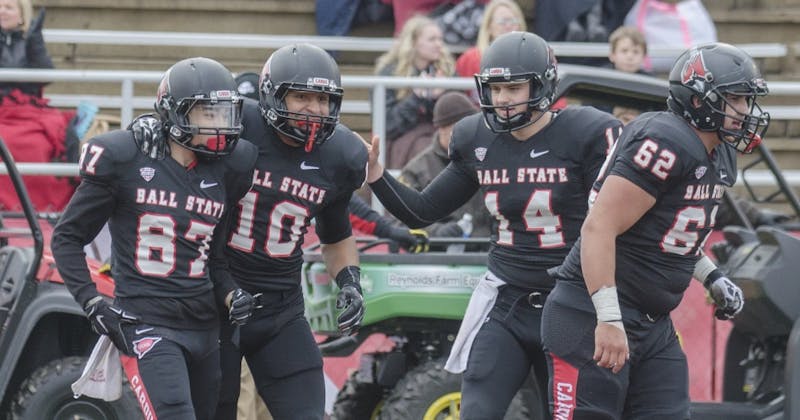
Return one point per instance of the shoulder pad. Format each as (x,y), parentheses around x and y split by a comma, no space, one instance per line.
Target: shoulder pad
(102,156)
(254,128)
(586,121)
(243,157)
(671,131)
(466,133)
(347,148)
(587,129)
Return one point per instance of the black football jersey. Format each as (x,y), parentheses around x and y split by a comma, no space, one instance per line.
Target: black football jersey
(536,190)
(162,218)
(655,258)
(290,188)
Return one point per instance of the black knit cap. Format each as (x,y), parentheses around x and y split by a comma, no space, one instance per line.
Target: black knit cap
(451,107)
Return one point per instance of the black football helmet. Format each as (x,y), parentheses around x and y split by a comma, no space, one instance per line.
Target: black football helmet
(517,57)
(200,88)
(303,67)
(709,72)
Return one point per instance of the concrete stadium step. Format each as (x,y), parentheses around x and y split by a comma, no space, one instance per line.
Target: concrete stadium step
(233,16)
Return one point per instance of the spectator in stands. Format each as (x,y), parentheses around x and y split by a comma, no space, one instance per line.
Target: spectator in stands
(500,17)
(33,131)
(579,21)
(418,52)
(627,49)
(405,10)
(21,43)
(420,171)
(671,23)
(338,17)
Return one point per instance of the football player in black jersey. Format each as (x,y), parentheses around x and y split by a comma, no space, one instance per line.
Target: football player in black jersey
(612,348)
(164,201)
(308,167)
(534,168)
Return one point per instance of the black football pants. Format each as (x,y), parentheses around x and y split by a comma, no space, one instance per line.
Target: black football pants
(505,348)
(653,384)
(173,373)
(282,355)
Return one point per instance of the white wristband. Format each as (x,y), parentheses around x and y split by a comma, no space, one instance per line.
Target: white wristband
(606,304)
(703,268)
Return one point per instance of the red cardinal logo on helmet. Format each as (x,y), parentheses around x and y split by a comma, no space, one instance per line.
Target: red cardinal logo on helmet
(695,68)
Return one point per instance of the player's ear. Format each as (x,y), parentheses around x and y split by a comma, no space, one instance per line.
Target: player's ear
(696,102)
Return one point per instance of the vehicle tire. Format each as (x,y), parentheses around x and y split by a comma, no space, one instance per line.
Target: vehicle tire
(358,400)
(428,392)
(737,350)
(46,395)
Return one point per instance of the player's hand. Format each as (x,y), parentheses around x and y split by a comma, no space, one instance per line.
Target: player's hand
(241,306)
(149,136)
(374,168)
(727,298)
(412,240)
(610,345)
(351,303)
(107,319)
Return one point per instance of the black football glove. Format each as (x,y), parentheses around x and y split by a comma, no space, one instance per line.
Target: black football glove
(727,297)
(412,240)
(107,319)
(149,136)
(349,300)
(242,305)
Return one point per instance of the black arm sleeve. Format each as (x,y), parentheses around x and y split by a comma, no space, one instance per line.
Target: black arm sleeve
(368,220)
(446,193)
(333,223)
(239,180)
(89,209)
(218,269)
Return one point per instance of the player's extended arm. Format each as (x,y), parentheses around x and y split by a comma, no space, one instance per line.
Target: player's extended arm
(87,212)
(607,220)
(446,193)
(366,220)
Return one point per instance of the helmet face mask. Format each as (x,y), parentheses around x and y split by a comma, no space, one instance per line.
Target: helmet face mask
(211,120)
(517,57)
(301,68)
(197,101)
(750,126)
(703,80)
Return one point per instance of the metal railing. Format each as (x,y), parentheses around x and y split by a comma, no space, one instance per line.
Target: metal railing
(126,102)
